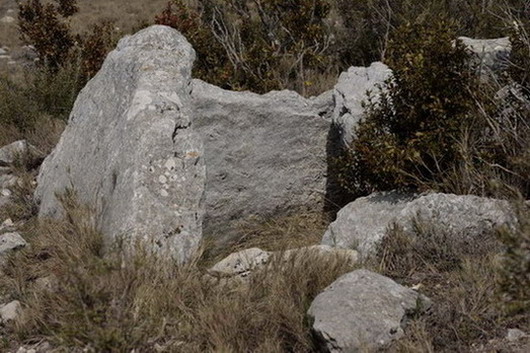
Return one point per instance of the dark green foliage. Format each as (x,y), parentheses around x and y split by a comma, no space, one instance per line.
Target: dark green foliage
(367,25)
(409,138)
(43,26)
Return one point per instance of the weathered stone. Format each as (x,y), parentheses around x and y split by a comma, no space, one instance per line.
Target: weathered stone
(11,311)
(489,54)
(18,149)
(363,223)
(265,154)
(351,91)
(7,20)
(130,150)
(514,335)
(10,242)
(241,263)
(362,312)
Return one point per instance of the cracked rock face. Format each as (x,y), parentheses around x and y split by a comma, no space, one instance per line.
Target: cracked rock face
(130,151)
(363,311)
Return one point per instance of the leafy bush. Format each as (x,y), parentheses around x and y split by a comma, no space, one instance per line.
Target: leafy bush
(45,26)
(366,25)
(409,138)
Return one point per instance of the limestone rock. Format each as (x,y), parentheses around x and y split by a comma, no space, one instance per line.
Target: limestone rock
(241,263)
(10,242)
(364,222)
(265,154)
(514,335)
(130,150)
(7,20)
(18,149)
(11,311)
(489,54)
(350,92)
(362,312)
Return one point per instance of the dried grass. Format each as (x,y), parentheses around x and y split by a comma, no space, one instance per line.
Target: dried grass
(117,301)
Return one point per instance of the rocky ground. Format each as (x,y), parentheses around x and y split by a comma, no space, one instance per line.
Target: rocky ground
(161,159)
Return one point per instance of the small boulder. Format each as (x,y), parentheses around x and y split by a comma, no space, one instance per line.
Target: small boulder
(349,94)
(243,263)
(362,312)
(11,311)
(514,335)
(18,149)
(11,242)
(363,223)
(7,20)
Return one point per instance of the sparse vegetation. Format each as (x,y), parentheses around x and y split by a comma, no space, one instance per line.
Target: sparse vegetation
(437,127)
(114,301)
(463,278)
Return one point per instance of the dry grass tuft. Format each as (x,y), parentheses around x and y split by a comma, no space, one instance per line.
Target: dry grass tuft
(461,276)
(271,234)
(117,301)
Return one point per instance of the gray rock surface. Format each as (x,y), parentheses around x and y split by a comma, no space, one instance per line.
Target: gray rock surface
(10,242)
(362,312)
(11,311)
(490,54)
(18,149)
(265,154)
(514,335)
(351,91)
(241,263)
(130,150)
(364,222)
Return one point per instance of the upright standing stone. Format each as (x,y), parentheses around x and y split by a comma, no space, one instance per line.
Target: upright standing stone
(129,149)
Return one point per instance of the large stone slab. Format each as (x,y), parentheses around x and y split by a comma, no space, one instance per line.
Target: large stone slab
(363,311)
(363,223)
(130,150)
(265,154)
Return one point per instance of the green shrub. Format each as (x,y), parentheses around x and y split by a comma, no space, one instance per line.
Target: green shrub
(365,26)
(409,138)
(267,45)
(46,27)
